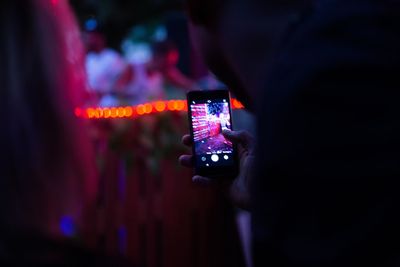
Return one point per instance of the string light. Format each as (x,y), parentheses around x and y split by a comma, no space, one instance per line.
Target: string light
(148,108)
(180,105)
(160,106)
(107,113)
(128,112)
(140,110)
(114,113)
(171,105)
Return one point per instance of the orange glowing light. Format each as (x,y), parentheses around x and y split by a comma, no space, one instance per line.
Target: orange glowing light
(99,113)
(106,113)
(148,108)
(90,113)
(160,106)
(140,109)
(114,113)
(128,112)
(236,104)
(180,105)
(120,112)
(143,109)
(171,105)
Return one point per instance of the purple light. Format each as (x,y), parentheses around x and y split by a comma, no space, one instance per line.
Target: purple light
(67,226)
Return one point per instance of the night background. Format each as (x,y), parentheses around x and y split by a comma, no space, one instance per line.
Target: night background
(117,17)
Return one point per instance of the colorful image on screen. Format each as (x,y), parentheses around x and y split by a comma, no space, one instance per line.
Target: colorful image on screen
(209,119)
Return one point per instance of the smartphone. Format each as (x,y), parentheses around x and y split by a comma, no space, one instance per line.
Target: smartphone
(209,114)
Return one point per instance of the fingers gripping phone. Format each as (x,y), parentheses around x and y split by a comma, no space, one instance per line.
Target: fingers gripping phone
(209,115)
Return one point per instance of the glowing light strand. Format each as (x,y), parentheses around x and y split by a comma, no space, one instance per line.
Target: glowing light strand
(140,110)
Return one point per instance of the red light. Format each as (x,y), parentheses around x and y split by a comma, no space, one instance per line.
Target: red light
(54,2)
(160,106)
(173,57)
(236,104)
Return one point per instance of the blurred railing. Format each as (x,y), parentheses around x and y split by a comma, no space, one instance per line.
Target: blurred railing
(148,209)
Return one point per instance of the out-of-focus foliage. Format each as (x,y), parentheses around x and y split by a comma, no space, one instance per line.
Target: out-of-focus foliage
(117,17)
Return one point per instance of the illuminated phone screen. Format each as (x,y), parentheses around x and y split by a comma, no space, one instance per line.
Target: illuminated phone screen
(209,119)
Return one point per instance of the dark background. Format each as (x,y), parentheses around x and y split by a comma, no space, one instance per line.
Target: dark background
(117,17)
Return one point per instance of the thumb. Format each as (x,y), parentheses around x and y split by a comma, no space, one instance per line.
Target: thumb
(240,137)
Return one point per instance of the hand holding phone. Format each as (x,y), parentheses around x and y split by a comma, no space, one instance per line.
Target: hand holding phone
(220,156)
(236,189)
(209,115)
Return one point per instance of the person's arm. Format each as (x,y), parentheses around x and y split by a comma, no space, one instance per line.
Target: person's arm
(178,79)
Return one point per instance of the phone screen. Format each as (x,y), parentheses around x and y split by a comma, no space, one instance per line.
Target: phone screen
(209,118)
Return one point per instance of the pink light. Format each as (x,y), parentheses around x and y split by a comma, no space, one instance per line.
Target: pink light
(78,112)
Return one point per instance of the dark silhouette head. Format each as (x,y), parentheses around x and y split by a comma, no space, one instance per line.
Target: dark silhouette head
(236,37)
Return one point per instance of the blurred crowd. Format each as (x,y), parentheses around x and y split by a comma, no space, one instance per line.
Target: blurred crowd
(147,72)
